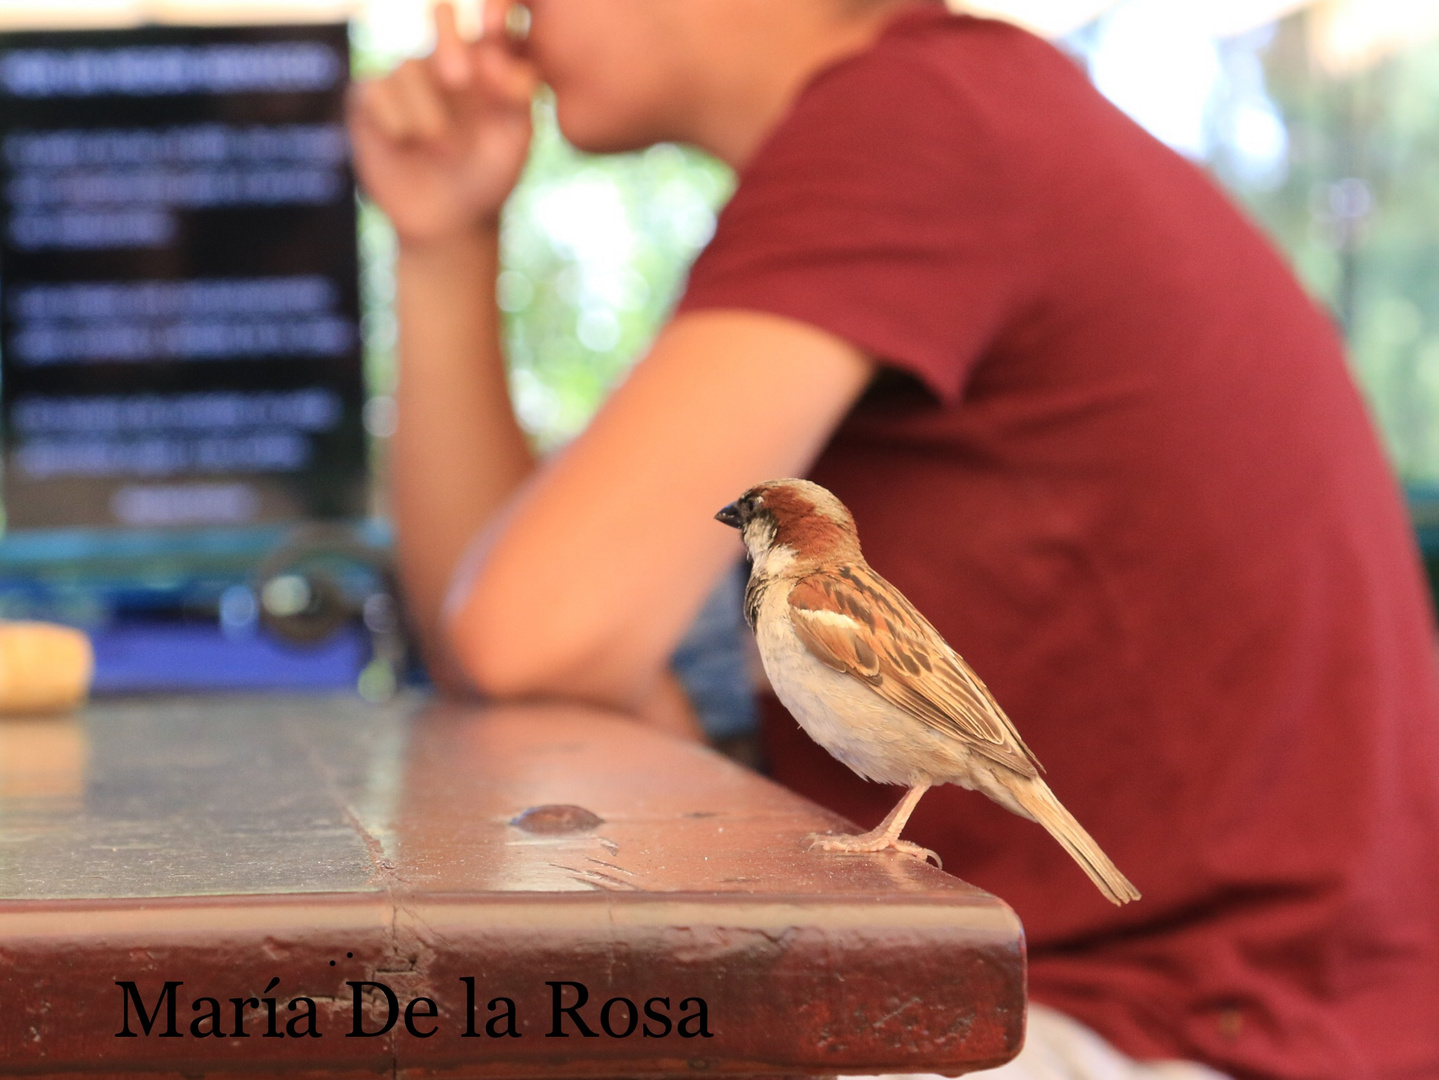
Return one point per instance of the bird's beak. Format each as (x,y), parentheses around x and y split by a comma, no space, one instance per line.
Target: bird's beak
(731,516)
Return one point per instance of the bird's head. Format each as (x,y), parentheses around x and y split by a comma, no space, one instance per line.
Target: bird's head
(783,522)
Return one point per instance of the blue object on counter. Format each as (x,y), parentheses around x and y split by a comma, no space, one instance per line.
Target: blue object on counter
(154,656)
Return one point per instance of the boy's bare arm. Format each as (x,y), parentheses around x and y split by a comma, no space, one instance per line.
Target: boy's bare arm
(588,568)
(724,400)
(458,453)
(586,580)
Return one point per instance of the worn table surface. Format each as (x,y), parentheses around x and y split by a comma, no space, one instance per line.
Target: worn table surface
(316,852)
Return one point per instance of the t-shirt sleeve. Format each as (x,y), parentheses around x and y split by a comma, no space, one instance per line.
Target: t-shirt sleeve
(883,211)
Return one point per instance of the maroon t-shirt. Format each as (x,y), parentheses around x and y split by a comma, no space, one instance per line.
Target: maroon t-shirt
(1114,454)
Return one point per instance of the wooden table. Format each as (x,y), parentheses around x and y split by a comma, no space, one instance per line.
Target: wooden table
(515,892)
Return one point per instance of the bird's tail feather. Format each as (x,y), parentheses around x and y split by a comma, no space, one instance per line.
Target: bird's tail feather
(1036,798)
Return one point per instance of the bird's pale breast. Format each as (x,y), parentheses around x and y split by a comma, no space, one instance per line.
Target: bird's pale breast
(876,739)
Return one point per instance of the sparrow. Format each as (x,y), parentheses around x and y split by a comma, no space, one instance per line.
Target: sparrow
(870,680)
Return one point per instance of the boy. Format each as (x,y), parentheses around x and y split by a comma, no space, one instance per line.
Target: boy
(1085,420)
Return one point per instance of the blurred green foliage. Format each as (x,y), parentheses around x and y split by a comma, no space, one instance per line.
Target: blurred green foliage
(594,252)
(1357,210)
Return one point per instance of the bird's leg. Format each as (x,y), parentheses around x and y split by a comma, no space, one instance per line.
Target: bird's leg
(885,835)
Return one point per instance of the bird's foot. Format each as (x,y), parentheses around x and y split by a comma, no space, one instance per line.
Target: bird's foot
(867,843)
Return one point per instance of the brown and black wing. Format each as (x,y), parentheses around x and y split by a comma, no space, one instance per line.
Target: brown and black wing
(855,622)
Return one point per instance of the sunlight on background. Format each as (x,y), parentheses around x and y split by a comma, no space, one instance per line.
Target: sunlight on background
(1321,116)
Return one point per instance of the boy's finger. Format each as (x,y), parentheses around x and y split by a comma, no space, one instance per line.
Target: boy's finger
(492,19)
(507,77)
(452,54)
(375,104)
(423,106)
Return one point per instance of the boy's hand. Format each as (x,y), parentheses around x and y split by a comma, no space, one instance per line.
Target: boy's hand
(440,142)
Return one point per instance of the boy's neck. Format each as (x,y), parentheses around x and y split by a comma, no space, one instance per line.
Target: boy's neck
(742,102)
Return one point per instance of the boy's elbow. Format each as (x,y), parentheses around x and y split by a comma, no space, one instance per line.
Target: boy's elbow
(507,661)
(498,666)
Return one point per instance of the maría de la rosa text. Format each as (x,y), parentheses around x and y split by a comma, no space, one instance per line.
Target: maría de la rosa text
(375,1010)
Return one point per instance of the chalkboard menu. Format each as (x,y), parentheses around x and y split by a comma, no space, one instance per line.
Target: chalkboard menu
(179,308)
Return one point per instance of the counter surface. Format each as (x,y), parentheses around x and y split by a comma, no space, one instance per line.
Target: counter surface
(548,891)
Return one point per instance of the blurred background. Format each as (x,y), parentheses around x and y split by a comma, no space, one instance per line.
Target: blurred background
(1322,118)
